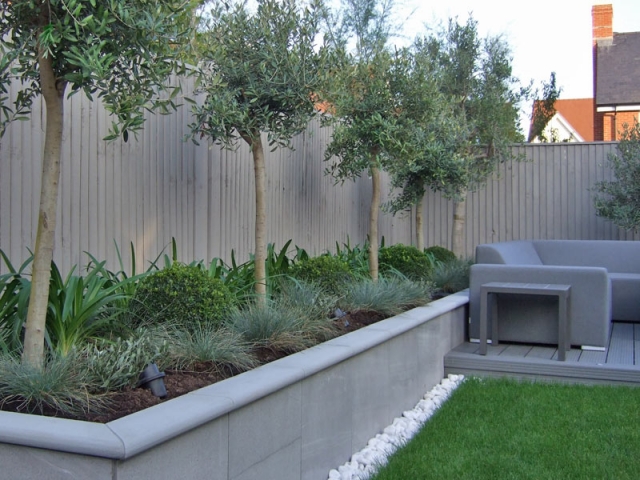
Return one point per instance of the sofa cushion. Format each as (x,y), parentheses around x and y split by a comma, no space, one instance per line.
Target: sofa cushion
(509,253)
(615,256)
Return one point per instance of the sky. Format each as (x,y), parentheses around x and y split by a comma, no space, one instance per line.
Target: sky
(545,36)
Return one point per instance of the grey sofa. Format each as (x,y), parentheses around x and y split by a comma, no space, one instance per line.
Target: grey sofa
(605,284)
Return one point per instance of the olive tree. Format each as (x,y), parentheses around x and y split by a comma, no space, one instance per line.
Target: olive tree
(262,71)
(364,95)
(619,199)
(477,77)
(120,50)
(427,155)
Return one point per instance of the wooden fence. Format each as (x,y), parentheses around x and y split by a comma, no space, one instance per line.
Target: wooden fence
(159,186)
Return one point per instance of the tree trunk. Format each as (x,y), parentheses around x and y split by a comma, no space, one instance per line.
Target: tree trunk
(260,255)
(419,226)
(459,220)
(53,93)
(373,222)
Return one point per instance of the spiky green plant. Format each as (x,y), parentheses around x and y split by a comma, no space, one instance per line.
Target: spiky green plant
(15,289)
(81,307)
(127,280)
(356,257)
(239,278)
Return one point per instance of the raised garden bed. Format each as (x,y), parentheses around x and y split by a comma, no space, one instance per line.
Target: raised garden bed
(294,418)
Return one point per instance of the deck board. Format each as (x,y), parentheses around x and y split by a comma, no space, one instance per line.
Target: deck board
(495,350)
(517,350)
(573,355)
(621,344)
(619,364)
(593,357)
(544,353)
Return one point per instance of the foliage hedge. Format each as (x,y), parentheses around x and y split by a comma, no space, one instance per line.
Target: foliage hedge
(441,254)
(182,295)
(408,260)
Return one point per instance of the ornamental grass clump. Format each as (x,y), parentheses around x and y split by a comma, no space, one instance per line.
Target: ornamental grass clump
(451,276)
(279,325)
(316,299)
(388,296)
(180,295)
(61,385)
(210,348)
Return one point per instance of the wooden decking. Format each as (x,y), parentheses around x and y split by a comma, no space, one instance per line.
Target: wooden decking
(619,364)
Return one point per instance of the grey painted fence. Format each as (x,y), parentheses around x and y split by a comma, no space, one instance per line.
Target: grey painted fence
(159,186)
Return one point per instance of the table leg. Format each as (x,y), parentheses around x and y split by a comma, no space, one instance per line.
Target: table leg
(483,321)
(493,309)
(563,321)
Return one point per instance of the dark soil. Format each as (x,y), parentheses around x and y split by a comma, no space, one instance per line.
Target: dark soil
(178,383)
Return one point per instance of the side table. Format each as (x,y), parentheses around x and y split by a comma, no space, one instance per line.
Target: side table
(489,303)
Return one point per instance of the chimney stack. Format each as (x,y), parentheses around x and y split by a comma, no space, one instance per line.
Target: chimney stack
(602,22)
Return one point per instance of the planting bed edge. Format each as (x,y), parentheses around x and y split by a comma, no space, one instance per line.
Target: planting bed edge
(139,432)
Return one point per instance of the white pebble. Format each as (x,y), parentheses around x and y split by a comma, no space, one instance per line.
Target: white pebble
(365,463)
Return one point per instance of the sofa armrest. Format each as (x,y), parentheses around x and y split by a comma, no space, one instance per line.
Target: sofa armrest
(589,301)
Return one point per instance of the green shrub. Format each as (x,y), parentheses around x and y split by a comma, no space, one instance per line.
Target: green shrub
(440,254)
(331,273)
(180,295)
(408,260)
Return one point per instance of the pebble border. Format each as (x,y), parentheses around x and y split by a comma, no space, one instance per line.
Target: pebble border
(367,461)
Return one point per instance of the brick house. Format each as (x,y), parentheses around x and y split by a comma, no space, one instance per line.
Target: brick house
(616,74)
(616,87)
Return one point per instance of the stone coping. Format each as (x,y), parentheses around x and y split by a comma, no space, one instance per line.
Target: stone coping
(140,431)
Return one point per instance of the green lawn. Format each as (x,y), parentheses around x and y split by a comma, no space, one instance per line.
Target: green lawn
(502,429)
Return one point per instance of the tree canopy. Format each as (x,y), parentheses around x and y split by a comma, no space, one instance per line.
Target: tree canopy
(262,72)
(619,199)
(365,93)
(123,51)
(469,133)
